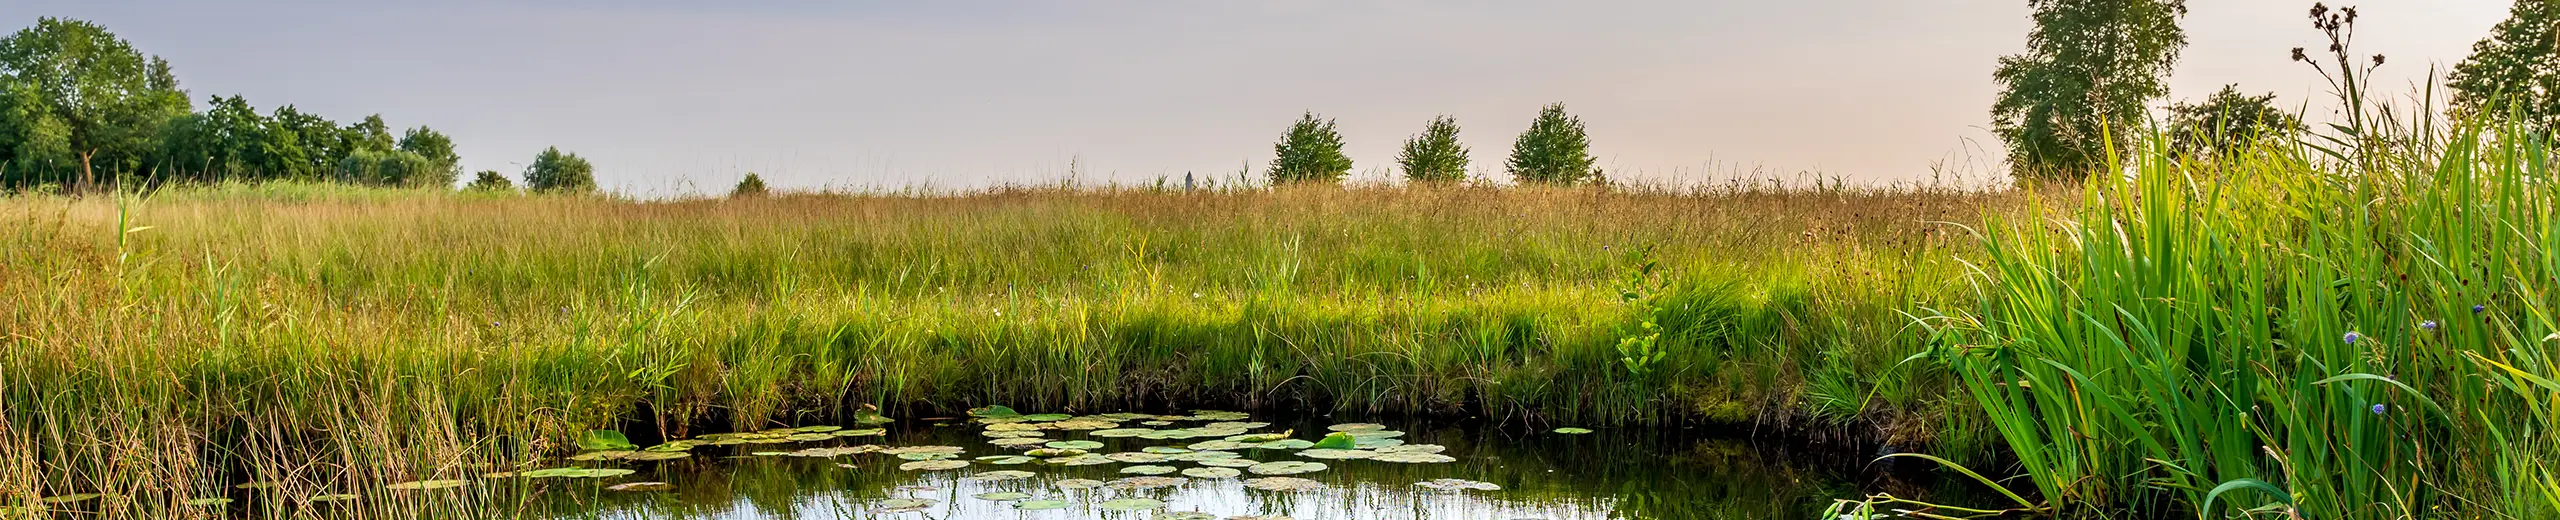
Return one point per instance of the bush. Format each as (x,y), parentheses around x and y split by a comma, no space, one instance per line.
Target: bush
(1555,150)
(491,180)
(1312,152)
(554,171)
(752,186)
(1436,155)
(393,168)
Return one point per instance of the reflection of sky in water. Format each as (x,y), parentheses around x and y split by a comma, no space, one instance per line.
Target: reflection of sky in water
(1615,473)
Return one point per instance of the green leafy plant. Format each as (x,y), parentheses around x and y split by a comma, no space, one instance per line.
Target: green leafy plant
(1555,150)
(1310,152)
(1435,155)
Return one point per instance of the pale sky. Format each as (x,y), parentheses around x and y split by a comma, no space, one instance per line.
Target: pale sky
(667,96)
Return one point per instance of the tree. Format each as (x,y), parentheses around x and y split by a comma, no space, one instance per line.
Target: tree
(35,146)
(393,168)
(2226,122)
(1311,152)
(107,100)
(436,148)
(2090,68)
(2515,72)
(1555,150)
(752,186)
(1435,155)
(490,180)
(553,171)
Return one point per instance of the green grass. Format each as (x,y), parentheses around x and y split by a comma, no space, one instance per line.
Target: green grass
(336,338)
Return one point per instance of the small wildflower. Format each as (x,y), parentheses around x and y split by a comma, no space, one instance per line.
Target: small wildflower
(2379,408)
(2352,337)
(2428,325)
(2476,309)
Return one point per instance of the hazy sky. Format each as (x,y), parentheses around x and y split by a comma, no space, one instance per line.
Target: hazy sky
(668,96)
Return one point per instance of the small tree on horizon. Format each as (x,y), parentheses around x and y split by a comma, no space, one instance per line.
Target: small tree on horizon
(1555,150)
(2227,122)
(1435,155)
(1311,152)
(553,171)
(752,186)
(490,180)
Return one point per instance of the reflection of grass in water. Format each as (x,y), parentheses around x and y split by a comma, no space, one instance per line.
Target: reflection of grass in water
(341,339)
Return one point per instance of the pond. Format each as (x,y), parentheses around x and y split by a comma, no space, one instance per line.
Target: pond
(1219,465)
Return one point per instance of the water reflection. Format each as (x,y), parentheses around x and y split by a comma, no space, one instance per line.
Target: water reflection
(1632,473)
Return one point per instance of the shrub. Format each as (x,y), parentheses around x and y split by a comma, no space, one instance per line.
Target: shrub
(1312,152)
(554,171)
(1436,155)
(1554,150)
(752,186)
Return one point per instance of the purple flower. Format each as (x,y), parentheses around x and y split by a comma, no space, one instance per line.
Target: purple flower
(2428,325)
(2352,337)
(2379,408)
(2476,309)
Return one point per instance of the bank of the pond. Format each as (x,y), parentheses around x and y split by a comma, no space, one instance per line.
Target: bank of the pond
(158,342)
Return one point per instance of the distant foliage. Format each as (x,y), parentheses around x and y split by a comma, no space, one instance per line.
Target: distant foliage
(2516,70)
(436,148)
(1555,150)
(752,186)
(2091,68)
(79,100)
(393,168)
(2227,122)
(1435,155)
(490,180)
(1311,152)
(556,172)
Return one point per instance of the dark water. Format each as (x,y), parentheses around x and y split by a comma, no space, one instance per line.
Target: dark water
(1610,473)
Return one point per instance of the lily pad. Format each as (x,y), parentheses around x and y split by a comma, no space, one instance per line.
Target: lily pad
(1164,450)
(1157,423)
(1119,432)
(1372,444)
(867,432)
(1013,427)
(1356,427)
(1005,460)
(1185,515)
(428,485)
(1414,457)
(1042,505)
(1228,463)
(999,476)
(817,429)
(1018,442)
(1047,417)
(993,411)
(1145,483)
(1286,444)
(1075,445)
(1375,434)
(871,418)
(1283,484)
(934,465)
(1012,434)
(1334,454)
(1258,438)
(1084,424)
(1285,468)
(1211,472)
(1203,455)
(1147,470)
(1054,452)
(1078,483)
(606,440)
(1338,441)
(1453,484)
(1001,496)
(1137,457)
(1573,431)
(1219,445)
(923,449)
(640,486)
(1081,460)
(905,505)
(1414,448)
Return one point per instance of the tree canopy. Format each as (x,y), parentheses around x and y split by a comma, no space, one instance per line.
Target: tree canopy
(80,100)
(554,171)
(1311,152)
(2227,122)
(1435,155)
(2090,68)
(2515,72)
(1555,150)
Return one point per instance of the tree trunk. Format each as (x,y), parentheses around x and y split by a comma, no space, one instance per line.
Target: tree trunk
(88,178)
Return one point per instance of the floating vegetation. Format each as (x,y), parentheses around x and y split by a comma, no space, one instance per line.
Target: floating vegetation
(870,418)
(1334,454)
(1228,463)
(1375,434)
(1054,452)
(1120,432)
(955,450)
(927,456)
(1001,496)
(1197,456)
(1286,444)
(1573,431)
(1258,438)
(998,476)
(1084,424)
(1414,448)
(1005,460)
(1075,445)
(1047,417)
(606,440)
(629,487)
(422,485)
(905,505)
(1285,468)
(1018,442)
(1078,483)
(934,465)
(1219,445)
(993,411)
(1147,470)
(867,432)
(1455,485)
(1007,434)
(1291,484)
(836,452)
(1356,427)
(594,456)
(1212,472)
(1376,443)
(1186,515)
(1081,460)
(1165,450)
(1146,483)
(1042,505)
(1338,441)
(1137,457)
(1413,457)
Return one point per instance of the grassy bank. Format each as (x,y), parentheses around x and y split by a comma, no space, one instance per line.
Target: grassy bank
(319,336)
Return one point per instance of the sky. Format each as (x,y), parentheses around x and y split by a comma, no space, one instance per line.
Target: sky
(673,97)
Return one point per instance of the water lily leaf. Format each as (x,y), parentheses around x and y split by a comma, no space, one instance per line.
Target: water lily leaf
(1186,515)
(809,437)
(1286,444)
(1234,425)
(1005,460)
(1084,424)
(905,505)
(1014,427)
(1285,468)
(1001,496)
(1338,441)
(1119,432)
(1202,455)
(817,429)
(923,449)
(1018,442)
(1373,444)
(870,418)
(1211,472)
(1334,454)
(1573,431)
(867,432)
(927,456)
(1047,417)
(993,411)
(998,476)
(1414,457)
(1283,484)
(1078,483)
(200,502)
(1218,445)
(599,455)
(1218,415)
(1414,448)
(1147,470)
(934,465)
(1081,460)
(1145,483)
(1375,434)
(1137,457)
(1042,505)
(673,446)
(1228,463)
(1258,438)
(427,485)
(1157,423)
(1164,450)
(1454,485)
(1075,445)
(1054,452)
(640,486)
(1356,427)
(606,440)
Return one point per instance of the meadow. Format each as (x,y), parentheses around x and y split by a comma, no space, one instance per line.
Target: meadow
(165,345)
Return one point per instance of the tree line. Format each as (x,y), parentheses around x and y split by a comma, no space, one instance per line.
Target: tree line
(2092,68)
(1555,151)
(80,107)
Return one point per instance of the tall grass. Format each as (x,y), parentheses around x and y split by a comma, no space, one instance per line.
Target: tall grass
(167,346)
(2282,332)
